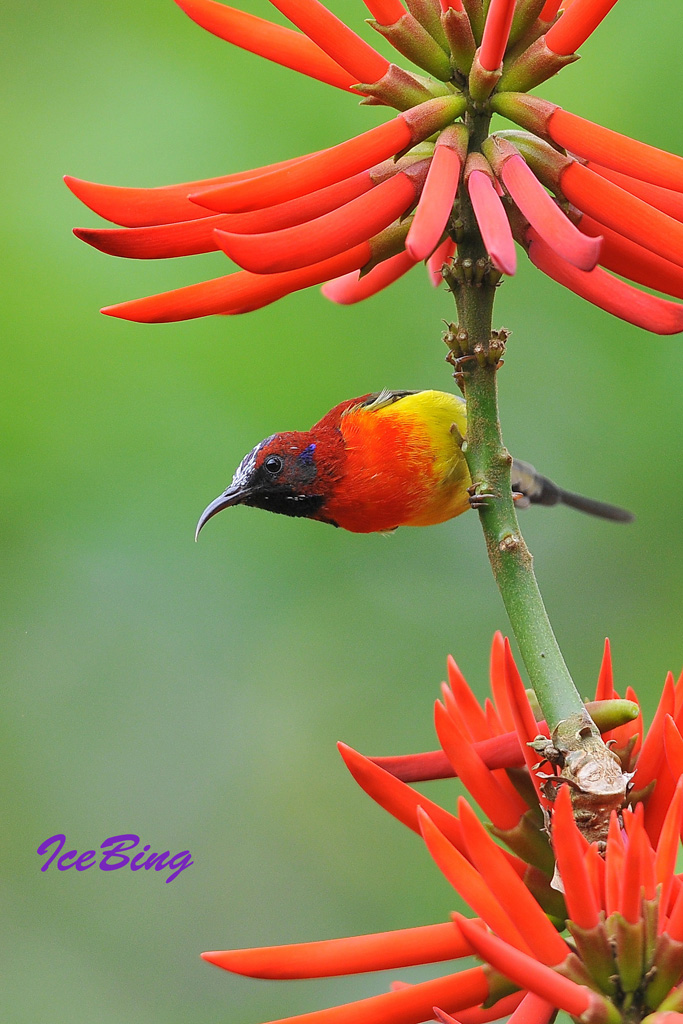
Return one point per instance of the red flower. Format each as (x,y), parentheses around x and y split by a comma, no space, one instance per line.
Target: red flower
(360,214)
(595,932)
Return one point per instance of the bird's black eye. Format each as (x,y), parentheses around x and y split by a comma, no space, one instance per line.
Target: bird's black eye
(273,465)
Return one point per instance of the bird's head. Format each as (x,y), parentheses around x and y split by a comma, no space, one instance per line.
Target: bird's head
(290,473)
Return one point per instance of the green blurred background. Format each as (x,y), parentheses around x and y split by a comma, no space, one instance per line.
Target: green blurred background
(194,694)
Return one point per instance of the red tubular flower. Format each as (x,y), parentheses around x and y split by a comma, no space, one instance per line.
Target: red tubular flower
(496,33)
(355,955)
(493,223)
(438,195)
(363,62)
(624,903)
(335,164)
(436,119)
(607,292)
(354,288)
(274,42)
(545,216)
(441,257)
(576,24)
(292,248)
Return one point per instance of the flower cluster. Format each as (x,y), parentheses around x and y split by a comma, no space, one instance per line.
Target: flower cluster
(585,202)
(593,929)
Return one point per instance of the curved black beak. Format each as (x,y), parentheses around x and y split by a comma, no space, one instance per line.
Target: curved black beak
(233,496)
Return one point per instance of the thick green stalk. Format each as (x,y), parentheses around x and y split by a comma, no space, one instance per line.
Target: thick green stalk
(476,353)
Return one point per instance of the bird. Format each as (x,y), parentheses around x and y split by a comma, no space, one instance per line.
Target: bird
(377,462)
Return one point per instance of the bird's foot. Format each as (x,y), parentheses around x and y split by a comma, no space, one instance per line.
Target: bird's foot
(521,500)
(478,499)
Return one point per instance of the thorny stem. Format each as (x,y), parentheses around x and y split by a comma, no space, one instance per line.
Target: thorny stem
(476,353)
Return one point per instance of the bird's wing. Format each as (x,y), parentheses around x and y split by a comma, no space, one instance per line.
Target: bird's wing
(379,400)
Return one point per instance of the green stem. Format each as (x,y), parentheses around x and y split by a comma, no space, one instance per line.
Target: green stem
(473,285)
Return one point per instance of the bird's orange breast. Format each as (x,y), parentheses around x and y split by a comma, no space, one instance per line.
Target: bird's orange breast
(400,469)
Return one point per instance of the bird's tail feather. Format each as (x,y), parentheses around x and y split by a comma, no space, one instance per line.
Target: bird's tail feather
(537,489)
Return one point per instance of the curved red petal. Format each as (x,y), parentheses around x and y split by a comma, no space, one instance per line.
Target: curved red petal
(664,199)
(631,260)
(235,293)
(577,23)
(607,292)
(623,212)
(436,203)
(141,207)
(353,287)
(441,256)
(618,152)
(342,44)
(492,221)
(292,248)
(266,39)
(496,33)
(397,798)
(354,955)
(546,217)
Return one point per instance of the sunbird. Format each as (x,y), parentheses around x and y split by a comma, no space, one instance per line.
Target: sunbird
(377,462)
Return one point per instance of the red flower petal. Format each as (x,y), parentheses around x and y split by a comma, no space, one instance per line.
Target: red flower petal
(652,752)
(354,955)
(467,706)
(618,152)
(669,839)
(397,798)
(236,293)
(502,807)
(484,1014)
(546,217)
(468,883)
(664,199)
(631,260)
(386,12)
(139,207)
(550,9)
(533,1010)
(408,1005)
(342,44)
(499,683)
(161,241)
(623,212)
(614,862)
(510,891)
(607,292)
(353,288)
(605,687)
(493,224)
(529,973)
(631,881)
(266,39)
(443,254)
(576,25)
(436,202)
(338,162)
(292,248)
(496,33)
(569,846)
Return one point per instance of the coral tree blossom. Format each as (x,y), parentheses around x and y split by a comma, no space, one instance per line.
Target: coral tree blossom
(585,202)
(593,929)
